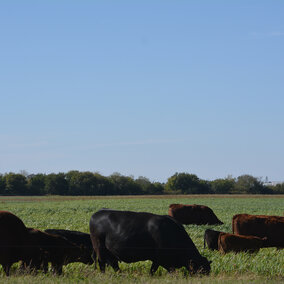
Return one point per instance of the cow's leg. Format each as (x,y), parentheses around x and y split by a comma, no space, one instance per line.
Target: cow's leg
(154,267)
(28,266)
(109,259)
(114,264)
(45,266)
(102,265)
(23,267)
(100,251)
(189,267)
(57,268)
(170,269)
(253,251)
(7,268)
(94,257)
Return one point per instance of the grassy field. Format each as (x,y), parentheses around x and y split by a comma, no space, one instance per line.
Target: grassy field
(74,213)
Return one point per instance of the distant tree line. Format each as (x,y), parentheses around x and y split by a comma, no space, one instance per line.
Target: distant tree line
(88,183)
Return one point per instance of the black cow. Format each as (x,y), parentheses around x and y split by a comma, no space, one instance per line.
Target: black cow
(78,238)
(134,236)
(16,243)
(211,238)
(58,250)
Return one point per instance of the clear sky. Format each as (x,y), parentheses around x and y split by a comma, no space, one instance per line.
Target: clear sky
(143,88)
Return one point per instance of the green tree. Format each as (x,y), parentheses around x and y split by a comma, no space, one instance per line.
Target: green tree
(36,184)
(74,185)
(87,183)
(277,189)
(186,183)
(84,183)
(222,186)
(204,187)
(148,187)
(16,184)
(125,185)
(56,184)
(250,185)
(144,184)
(104,185)
(155,188)
(2,184)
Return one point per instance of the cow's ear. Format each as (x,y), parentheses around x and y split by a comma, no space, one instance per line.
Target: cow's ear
(210,261)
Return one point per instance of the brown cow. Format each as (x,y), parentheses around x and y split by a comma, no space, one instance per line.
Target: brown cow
(59,251)
(261,226)
(193,214)
(237,243)
(16,243)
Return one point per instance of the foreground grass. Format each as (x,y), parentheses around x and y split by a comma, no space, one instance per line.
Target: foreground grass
(74,213)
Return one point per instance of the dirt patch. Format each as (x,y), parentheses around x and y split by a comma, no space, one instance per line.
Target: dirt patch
(56,198)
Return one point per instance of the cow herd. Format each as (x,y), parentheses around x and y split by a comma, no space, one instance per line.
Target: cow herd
(250,233)
(134,236)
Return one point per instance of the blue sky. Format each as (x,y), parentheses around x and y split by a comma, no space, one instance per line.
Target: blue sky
(143,88)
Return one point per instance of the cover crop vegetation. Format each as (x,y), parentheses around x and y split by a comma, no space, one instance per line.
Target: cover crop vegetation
(74,213)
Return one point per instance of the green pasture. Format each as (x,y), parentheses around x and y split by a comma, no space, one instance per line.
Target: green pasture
(74,213)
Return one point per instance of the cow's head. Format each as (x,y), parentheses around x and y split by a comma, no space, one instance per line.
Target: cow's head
(200,265)
(84,255)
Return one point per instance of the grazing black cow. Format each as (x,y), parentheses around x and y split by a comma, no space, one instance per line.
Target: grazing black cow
(78,238)
(134,236)
(59,251)
(211,238)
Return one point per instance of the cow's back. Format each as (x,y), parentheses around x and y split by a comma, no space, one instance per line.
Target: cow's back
(55,245)
(193,214)
(13,231)
(185,214)
(76,237)
(11,223)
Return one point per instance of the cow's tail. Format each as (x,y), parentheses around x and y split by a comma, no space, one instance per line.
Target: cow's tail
(204,245)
